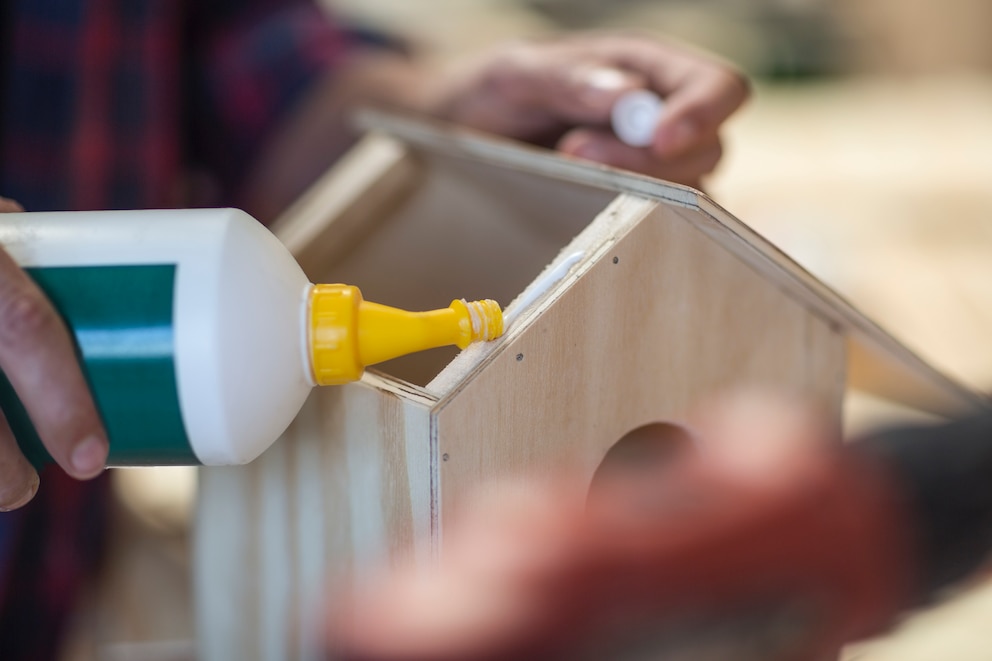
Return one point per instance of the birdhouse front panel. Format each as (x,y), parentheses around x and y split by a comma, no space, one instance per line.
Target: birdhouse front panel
(653,319)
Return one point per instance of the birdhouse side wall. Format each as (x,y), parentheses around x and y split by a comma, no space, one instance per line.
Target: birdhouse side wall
(346,488)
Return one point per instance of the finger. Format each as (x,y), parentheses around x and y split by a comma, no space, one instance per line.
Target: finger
(603,147)
(492,521)
(8,205)
(693,111)
(700,92)
(38,358)
(558,84)
(18,479)
(585,92)
(762,437)
(499,553)
(674,70)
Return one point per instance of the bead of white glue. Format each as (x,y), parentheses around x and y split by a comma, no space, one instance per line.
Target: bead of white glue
(635,116)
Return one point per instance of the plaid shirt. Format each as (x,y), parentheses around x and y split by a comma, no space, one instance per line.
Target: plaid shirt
(110,104)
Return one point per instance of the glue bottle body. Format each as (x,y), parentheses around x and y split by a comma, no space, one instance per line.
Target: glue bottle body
(195,329)
(187,322)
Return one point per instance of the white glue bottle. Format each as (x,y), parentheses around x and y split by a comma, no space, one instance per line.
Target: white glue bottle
(198,333)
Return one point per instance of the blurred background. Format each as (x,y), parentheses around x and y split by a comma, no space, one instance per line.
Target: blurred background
(865,154)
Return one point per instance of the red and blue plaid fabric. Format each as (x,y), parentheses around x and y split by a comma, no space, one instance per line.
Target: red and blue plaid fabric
(109,104)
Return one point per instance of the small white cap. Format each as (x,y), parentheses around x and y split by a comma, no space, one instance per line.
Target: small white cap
(635,116)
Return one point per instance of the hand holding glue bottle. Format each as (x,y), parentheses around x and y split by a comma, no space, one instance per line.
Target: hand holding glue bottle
(663,122)
(561,93)
(661,128)
(198,334)
(643,121)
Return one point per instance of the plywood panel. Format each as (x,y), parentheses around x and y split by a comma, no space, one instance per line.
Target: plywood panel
(341,491)
(648,325)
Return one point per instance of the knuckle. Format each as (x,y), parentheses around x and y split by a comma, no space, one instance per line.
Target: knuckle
(24,314)
(506,71)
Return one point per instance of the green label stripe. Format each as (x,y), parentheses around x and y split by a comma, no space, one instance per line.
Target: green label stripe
(121,318)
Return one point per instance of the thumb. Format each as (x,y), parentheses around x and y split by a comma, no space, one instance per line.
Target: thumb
(766,439)
(695,109)
(588,93)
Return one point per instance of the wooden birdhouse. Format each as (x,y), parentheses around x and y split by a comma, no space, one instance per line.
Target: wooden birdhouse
(629,300)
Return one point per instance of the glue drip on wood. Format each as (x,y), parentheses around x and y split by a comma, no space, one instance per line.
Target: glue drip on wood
(542,286)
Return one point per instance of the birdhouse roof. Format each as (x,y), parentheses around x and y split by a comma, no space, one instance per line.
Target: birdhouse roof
(877,363)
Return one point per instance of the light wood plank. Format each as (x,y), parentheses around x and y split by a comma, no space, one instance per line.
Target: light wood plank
(340,492)
(647,326)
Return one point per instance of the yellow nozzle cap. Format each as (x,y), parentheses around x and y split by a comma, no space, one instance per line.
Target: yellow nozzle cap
(347,333)
(334,334)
